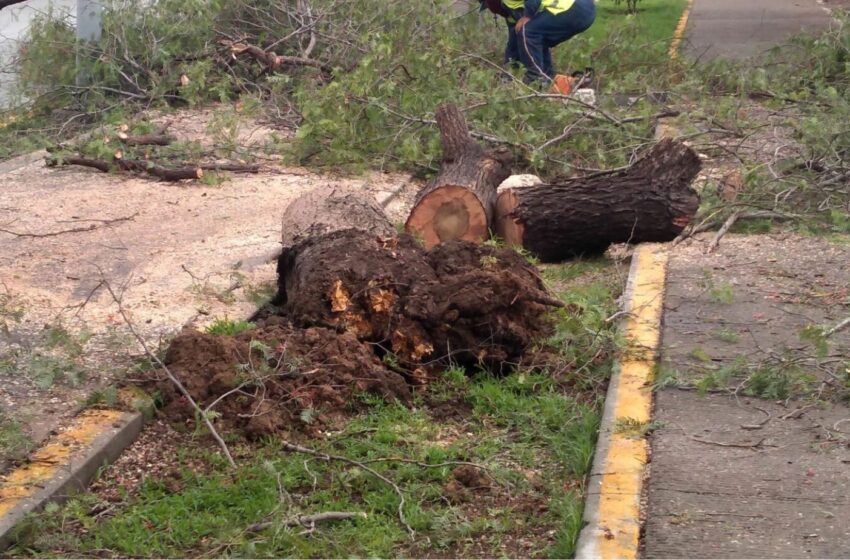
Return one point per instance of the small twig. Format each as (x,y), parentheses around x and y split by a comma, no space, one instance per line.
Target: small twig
(327,457)
(155,359)
(756,445)
(72,230)
(759,425)
(308,521)
(797,412)
(730,221)
(843,324)
(835,426)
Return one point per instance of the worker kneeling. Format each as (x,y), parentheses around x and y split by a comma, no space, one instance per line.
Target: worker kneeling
(545,24)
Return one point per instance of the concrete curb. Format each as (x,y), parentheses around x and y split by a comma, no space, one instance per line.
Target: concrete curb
(66,462)
(612,509)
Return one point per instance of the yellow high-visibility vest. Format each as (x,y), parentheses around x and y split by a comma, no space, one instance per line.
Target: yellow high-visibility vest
(554,6)
(557,6)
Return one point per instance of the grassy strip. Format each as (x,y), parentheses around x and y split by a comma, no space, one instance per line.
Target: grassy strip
(533,432)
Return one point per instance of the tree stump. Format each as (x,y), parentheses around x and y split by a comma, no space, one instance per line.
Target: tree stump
(472,304)
(458,204)
(650,201)
(331,208)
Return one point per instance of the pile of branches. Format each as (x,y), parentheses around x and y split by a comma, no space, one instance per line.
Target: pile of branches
(143,154)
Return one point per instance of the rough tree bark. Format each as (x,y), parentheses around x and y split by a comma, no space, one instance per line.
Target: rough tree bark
(330,208)
(650,201)
(459,202)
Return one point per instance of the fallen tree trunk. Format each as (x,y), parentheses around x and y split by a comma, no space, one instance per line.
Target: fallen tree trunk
(459,202)
(330,208)
(470,303)
(650,201)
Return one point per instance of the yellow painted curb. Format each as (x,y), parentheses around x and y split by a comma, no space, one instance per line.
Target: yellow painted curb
(46,462)
(614,491)
(66,463)
(679,33)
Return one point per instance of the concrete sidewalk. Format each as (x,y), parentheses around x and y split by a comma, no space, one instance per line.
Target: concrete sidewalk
(739,29)
(731,475)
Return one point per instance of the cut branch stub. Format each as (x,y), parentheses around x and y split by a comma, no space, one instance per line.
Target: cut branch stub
(650,201)
(458,204)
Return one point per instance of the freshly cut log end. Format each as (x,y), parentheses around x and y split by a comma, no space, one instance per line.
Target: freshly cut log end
(448,213)
(508,228)
(458,204)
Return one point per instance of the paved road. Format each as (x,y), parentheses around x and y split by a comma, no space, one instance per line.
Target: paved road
(741,28)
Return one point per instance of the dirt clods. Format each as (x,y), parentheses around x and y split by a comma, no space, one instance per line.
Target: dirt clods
(275,379)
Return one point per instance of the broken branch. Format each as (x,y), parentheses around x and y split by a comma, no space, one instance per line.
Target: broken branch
(271,60)
(135,165)
(327,457)
(153,139)
(72,230)
(155,359)
(308,520)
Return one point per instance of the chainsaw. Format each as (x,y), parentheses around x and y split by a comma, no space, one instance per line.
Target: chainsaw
(566,85)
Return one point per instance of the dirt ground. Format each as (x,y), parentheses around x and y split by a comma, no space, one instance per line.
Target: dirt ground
(178,254)
(751,477)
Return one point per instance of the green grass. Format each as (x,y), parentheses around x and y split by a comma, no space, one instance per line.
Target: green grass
(654,25)
(727,335)
(534,431)
(13,441)
(227,326)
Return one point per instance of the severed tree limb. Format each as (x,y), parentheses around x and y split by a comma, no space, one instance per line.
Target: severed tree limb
(271,60)
(164,173)
(153,139)
(232,167)
(139,166)
(727,225)
(327,457)
(308,520)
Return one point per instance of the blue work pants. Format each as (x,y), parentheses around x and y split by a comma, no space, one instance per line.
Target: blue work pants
(547,30)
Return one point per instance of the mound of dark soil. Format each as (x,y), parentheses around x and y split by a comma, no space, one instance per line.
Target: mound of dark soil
(275,378)
(474,304)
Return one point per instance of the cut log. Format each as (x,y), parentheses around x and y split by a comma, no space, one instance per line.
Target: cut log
(472,304)
(330,208)
(650,201)
(459,202)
